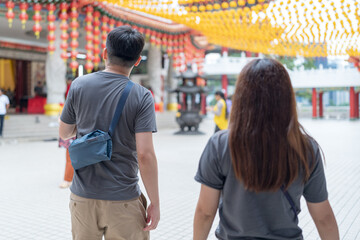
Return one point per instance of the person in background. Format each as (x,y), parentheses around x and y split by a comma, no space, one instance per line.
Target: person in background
(256,172)
(39,89)
(68,85)
(229,104)
(4,106)
(69,170)
(220,111)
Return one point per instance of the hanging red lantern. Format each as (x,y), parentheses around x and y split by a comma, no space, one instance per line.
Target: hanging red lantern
(111,24)
(164,41)
(96,38)
(23,15)
(176,45)
(51,48)
(147,34)
(10,13)
(119,24)
(141,30)
(158,38)
(177,62)
(64,27)
(89,39)
(37,18)
(152,38)
(51,27)
(97,60)
(89,66)
(74,66)
(104,30)
(74,35)
(169,48)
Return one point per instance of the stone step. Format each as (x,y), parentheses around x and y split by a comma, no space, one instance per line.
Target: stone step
(37,126)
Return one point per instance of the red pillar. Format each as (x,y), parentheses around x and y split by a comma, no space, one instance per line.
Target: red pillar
(224,84)
(321,105)
(184,103)
(357,105)
(314,103)
(203,104)
(248,54)
(224,78)
(352,104)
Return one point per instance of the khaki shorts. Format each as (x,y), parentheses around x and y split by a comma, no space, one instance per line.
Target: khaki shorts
(116,220)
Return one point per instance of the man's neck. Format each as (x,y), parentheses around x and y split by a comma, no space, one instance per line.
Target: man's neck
(117,70)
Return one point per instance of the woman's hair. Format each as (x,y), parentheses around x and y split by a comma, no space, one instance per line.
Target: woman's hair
(267,143)
(222,95)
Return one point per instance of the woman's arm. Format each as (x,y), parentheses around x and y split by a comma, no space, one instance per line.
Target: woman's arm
(324,220)
(218,108)
(205,212)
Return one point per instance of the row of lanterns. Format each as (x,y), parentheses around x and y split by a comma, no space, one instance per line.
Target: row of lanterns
(97,25)
(203,5)
(309,28)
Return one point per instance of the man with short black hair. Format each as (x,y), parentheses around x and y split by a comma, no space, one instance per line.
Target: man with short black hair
(4,106)
(106,199)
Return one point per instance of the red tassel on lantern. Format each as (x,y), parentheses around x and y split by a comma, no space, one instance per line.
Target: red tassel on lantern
(64,27)
(89,39)
(164,41)
(10,13)
(51,27)
(23,15)
(37,18)
(96,39)
(152,38)
(147,34)
(141,30)
(158,37)
(104,29)
(74,35)
(111,24)
(169,49)
(119,24)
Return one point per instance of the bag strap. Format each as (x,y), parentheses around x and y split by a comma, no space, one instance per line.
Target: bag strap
(120,107)
(287,195)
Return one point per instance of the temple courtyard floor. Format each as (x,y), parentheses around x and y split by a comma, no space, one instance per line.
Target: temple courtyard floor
(32,206)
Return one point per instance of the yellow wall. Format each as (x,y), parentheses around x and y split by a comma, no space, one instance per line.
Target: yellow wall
(7,75)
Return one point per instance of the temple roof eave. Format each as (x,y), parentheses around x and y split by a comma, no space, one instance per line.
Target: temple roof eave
(145,19)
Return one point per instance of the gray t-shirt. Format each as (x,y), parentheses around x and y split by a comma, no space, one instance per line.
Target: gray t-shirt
(91,104)
(249,215)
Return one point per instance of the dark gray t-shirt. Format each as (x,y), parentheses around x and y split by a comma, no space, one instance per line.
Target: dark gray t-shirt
(91,104)
(249,215)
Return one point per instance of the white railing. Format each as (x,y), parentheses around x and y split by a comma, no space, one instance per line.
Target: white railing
(320,78)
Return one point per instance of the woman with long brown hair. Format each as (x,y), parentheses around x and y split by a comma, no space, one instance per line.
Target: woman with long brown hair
(256,172)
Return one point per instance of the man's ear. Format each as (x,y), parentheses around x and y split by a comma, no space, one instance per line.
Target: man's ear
(105,54)
(137,62)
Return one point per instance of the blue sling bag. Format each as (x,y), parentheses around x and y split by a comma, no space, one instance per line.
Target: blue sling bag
(96,146)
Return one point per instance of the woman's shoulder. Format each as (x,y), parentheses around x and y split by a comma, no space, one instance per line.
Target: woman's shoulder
(220,142)
(220,137)
(314,149)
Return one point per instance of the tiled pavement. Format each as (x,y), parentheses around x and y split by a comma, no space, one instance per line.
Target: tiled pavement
(33,207)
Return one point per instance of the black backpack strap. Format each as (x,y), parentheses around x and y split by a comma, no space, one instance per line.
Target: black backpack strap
(120,107)
(287,195)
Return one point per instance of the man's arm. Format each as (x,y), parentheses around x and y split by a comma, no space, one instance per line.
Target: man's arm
(205,212)
(149,175)
(324,219)
(67,131)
